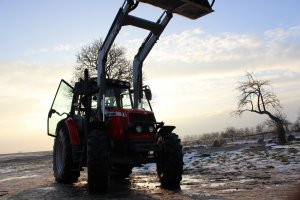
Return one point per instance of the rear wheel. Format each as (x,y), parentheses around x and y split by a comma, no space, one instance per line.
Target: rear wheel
(98,161)
(62,158)
(170,161)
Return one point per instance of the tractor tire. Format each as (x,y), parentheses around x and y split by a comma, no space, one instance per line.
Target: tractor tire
(121,171)
(98,161)
(62,158)
(169,163)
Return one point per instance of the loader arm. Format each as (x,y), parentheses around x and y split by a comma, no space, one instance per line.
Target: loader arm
(143,52)
(116,26)
(189,8)
(123,18)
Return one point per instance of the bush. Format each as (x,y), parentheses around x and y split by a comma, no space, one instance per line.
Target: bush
(291,138)
(216,143)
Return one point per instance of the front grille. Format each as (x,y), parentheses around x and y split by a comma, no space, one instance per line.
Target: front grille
(143,122)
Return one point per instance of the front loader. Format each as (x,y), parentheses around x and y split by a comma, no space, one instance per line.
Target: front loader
(109,126)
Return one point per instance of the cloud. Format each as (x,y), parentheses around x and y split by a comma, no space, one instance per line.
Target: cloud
(59,48)
(196,52)
(65,47)
(197,47)
(280,34)
(43,50)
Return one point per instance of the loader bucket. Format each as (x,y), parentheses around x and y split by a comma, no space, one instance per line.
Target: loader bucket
(192,9)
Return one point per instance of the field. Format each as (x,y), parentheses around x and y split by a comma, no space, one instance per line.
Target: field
(240,170)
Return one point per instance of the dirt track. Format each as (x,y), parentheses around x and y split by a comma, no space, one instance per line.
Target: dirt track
(29,176)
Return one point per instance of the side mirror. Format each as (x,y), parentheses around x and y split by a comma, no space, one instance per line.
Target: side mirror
(51,112)
(148,93)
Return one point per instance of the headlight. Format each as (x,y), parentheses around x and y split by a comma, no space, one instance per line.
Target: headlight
(151,129)
(138,129)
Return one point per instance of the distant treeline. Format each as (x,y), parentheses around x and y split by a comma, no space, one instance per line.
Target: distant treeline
(264,130)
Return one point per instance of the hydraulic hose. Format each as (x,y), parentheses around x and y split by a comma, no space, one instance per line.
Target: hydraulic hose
(212,3)
(134,6)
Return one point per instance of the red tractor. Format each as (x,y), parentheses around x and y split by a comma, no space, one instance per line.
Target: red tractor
(108,126)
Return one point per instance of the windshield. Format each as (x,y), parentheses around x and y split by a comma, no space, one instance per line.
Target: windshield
(118,98)
(121,98)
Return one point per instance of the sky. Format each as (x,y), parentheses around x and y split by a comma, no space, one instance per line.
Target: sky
(193,70)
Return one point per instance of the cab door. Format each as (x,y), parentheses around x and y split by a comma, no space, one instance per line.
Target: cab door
(61,106)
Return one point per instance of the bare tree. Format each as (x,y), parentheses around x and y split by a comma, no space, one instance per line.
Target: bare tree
(117,66)
(256,96)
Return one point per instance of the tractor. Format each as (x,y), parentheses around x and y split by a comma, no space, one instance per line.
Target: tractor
(108,125)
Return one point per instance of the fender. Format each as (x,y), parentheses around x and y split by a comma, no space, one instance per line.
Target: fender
(166,129)
(73,132)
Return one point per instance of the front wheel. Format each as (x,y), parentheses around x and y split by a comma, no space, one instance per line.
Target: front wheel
(98,161)
(169,161)
(64,171)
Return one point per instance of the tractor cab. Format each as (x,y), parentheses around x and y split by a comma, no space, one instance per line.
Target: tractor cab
(71,101)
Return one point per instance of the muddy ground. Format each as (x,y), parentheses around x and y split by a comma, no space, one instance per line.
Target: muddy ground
(236,171)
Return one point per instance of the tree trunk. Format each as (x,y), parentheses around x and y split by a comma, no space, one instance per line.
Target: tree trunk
(280,133)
